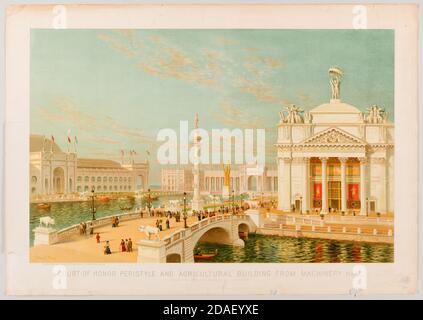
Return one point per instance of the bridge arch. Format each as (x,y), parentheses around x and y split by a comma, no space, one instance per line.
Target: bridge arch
(173,258)
(215,233)
(244,227)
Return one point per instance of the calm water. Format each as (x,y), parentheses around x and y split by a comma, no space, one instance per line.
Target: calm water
(259,248)
(66,214)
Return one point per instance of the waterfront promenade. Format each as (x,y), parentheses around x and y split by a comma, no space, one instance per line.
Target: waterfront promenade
(85,249)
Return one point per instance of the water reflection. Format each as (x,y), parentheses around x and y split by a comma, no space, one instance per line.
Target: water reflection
(259,248)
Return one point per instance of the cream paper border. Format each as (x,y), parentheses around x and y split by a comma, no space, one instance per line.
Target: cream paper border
(23,278)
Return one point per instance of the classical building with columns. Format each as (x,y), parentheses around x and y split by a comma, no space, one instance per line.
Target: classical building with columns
(243,179)
(57,172)
(335,157)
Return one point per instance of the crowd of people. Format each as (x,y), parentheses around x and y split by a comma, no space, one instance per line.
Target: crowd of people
(125,245)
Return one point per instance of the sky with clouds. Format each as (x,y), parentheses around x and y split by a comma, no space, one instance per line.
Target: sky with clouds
(115,89)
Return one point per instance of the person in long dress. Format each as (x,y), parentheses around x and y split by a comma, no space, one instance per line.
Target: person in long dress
(122,246)
(107,248)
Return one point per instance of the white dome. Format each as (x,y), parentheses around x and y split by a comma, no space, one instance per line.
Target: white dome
(335,106)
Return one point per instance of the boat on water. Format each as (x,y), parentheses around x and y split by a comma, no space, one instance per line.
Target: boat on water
(152,198)
(103,199)
(205,256)
(125,207)
(45,206)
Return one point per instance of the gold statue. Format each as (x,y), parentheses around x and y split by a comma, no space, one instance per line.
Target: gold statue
(227,173)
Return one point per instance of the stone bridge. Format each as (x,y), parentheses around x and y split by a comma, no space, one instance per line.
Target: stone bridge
(179,246)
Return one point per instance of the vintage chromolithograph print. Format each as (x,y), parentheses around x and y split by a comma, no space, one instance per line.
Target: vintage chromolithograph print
(117,114)
(202,146)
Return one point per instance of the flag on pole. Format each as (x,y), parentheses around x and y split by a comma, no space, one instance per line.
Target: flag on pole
(52,138)
(76,139)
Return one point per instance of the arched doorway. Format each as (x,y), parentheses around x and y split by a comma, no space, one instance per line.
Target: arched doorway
(252,183)
(58,180)
(173,258)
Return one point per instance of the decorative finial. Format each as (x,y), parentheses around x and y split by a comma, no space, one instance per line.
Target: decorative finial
(196,121)
(335,74)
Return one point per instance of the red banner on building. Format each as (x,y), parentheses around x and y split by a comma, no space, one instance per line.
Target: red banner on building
(353,192)
(317,190)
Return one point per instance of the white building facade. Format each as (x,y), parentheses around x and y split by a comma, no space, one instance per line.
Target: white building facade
(55,172)
(244,179)
(335,157)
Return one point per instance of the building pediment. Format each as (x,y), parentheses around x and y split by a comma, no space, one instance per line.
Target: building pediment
(333,136)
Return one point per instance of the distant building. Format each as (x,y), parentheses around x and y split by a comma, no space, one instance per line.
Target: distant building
(53,171)
(244,178)
(178,179)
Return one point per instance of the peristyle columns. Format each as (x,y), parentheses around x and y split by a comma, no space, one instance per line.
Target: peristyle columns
(324,185)
(343,184)
(363,192)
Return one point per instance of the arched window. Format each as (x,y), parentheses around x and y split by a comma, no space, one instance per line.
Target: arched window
(98,179)
(125,179)
(92,179)
(115,188)
(34,179)
(104,179)
(105,188)
(79,179)
(120,179)
(79,189)
(98,188)
(86,188)
(110,179)
(86,178)
(116,179)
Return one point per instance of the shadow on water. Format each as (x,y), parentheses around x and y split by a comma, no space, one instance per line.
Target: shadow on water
(259,248)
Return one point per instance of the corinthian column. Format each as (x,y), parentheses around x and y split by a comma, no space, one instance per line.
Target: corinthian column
(363,192)
(284,184)
(324,186)
(306,195)
(343,184)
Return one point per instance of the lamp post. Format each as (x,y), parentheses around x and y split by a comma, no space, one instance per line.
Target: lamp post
(93,210)
(233,201)
(149,202)
(185,210)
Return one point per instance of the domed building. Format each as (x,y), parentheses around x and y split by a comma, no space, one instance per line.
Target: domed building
(55,173)
(335,158)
